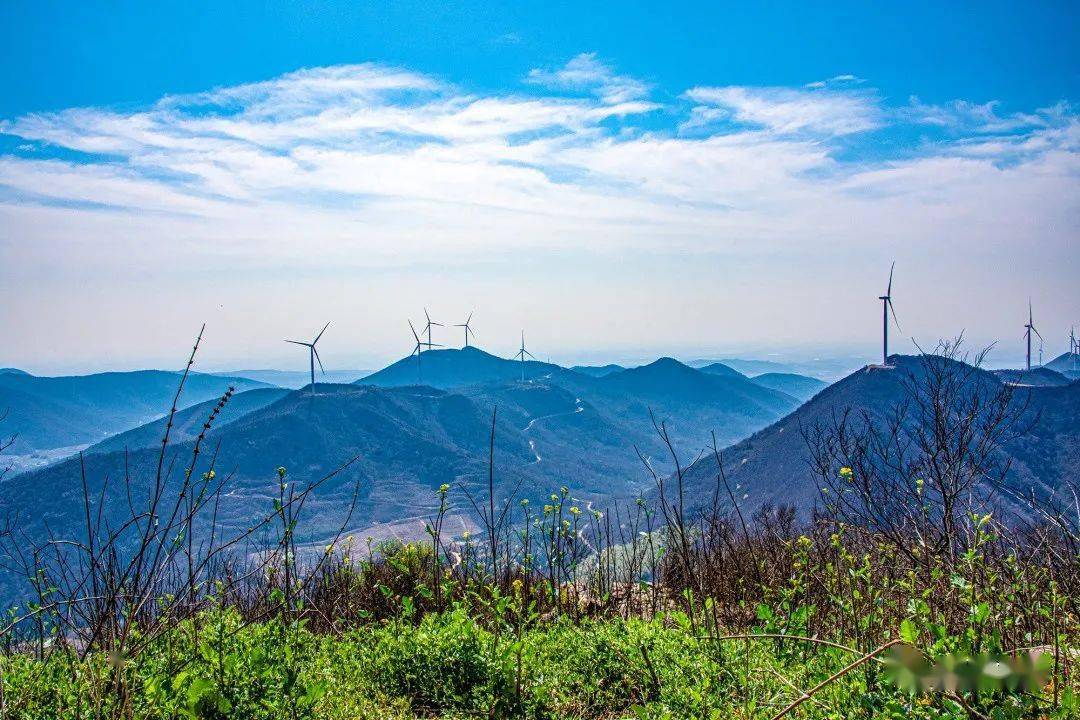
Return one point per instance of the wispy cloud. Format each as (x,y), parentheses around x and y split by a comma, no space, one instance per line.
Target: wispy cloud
(586,72)
(359,166)
(787,110)
(836,81)
(966,117)
(357,134)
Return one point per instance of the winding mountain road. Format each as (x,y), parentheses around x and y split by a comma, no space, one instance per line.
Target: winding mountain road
(532,444)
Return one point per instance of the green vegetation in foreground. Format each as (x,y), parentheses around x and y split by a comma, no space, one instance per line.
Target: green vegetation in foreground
(447,665)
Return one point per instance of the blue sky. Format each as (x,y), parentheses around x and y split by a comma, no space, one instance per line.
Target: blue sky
(725,177)
(73,53)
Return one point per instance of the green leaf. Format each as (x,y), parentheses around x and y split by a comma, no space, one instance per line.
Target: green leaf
(198,688)
(908,632)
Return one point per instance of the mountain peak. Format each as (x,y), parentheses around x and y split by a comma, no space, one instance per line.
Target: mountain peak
(665,364)
(722,370)
(453,367)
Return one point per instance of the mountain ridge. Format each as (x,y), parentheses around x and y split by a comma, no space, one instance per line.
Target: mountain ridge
(71,410)
(772,465)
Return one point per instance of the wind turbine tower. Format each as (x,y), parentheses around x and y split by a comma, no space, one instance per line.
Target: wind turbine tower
(1028,329)
(523,353)
(468,329)
(313,355)
(886,308)
(1074,347)
(418,350)
(427,328)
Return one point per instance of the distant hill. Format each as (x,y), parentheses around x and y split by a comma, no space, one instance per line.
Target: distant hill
(294,379)
(798,386)
(668,379)
(828,369)
(748,367)
(188,423)
(772,465)
(456,368)
(12,371)
(597,370)
(721,369)
(1039,376)
(693,403)
(1068,364)
(53,412)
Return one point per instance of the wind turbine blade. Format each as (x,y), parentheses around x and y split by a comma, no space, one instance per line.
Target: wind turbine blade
(889,290)
(1034,330)
(297,342)
(530,354)
(318,358)
(470,318)
(893,309)
(320,333)
(414,332)
(1030,316)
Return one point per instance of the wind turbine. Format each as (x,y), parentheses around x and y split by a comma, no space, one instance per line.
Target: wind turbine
(418,350)
(886,306)
(1074,346)
(313,355)
(467,329)
(428,327)
(1028,329)
(521,354)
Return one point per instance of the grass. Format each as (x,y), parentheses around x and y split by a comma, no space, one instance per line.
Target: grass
(452,664)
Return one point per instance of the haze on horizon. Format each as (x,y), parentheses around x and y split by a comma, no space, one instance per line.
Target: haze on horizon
(612,200)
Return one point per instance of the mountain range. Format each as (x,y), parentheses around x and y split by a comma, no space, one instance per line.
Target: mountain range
(597,370)
(773,464)
(828,369)
(403,440)
(58,413)
(398,440)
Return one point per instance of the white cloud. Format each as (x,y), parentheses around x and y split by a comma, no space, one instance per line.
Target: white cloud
(586,72)
(977,118)
(787,110)
(364,168)
(846,79)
